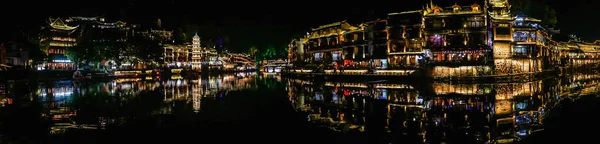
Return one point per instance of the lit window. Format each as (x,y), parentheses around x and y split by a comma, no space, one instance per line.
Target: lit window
(436,40)
(475,7)
(456,8)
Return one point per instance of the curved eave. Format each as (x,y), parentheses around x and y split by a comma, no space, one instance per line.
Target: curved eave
(64,27)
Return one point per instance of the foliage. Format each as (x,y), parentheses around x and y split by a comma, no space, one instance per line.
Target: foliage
(269,53)
(78,53)
(535,9)
(252,51)
(145,49)
(36,50)
(284,52)
(30,40)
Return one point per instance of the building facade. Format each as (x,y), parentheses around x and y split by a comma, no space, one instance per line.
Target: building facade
(59,37)
(444,42)
(578,54)
(521,44)
(64,33)
(457,39)
(177,55)
(405,40)
(196,53)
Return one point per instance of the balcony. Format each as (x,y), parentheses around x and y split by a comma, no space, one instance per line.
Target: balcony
(456,63)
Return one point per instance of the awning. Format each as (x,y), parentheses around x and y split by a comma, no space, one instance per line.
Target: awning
(4,65)
(59,59)
(589,50)
(326,50)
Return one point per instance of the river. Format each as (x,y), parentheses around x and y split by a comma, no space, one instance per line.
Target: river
(270,108)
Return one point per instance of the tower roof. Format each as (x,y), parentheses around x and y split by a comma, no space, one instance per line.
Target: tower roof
(196,36)
(60,24)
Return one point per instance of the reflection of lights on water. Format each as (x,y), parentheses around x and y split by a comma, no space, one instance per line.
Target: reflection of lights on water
(522,132)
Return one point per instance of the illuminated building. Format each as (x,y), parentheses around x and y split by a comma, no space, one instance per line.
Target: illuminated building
(577,54)
(60,37)
(238,62)
(2,54)
(196,53)
(110,32)
(212,57)
(344,48)
(340,43)
(296,52)
(457,39)
(521,45)
(405,41)
(13,53)
(102,32)
(177,55)
(273,66)
(163,36)
(64,33)
(198,57)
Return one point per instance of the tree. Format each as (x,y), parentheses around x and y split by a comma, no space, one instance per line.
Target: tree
(252,51)
(269,53)
(36,50)
(144,50)
(77,53)
(30,39)
(283,53)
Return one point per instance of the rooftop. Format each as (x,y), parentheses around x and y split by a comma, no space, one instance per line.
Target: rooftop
(433,10)
(330,25)
(58,23)
(406,12)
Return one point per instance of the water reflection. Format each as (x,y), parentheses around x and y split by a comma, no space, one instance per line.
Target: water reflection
(386,111)
(438,112)
(73,105)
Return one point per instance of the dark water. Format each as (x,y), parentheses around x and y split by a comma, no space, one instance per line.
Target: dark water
(250,107)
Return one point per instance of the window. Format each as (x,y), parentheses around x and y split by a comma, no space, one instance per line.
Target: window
(397,46)
(476,39)
(336,55)
(318,56)
(322,42)
(413,32)
(436,40)
(520,51)
(533,36)
(475,7)
(438,23)
(456,40)
(395,33)
(437,10)
(414,46)
(434,23)
(502,31)
(474,22)
(521,36)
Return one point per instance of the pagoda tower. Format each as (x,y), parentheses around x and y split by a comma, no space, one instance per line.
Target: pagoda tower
(501,30)
(196,52)
(499,9)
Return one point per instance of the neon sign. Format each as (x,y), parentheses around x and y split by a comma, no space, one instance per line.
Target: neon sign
(61,61)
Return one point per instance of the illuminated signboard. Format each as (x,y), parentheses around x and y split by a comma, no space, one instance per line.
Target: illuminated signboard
(61,61)
(502,50)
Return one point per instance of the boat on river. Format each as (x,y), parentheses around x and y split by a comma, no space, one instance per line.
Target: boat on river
(78,75)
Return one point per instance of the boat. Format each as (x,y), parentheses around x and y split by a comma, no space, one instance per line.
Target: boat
(77,75)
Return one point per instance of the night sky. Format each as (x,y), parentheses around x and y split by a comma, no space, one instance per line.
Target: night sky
(247,23)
